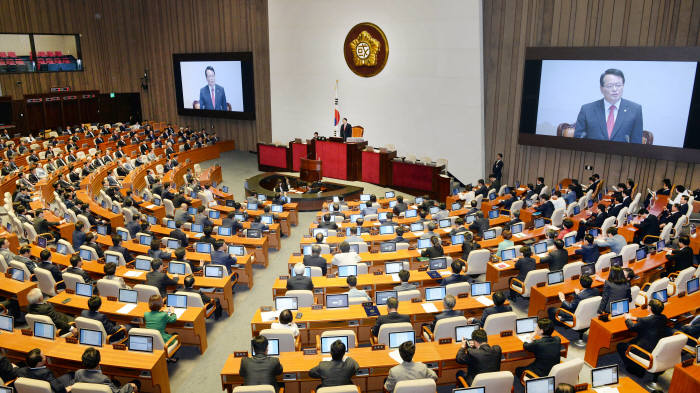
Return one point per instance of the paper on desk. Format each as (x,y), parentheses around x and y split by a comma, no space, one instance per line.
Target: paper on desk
(132,273)
(198,235)
(268,316)
(429,307)
(151,206)
(445,273)
(607,389)
(502,265)
(395,356)
(524,337)
(484,300)
(179,312)
(126,308)
(520,235)
(395,277)
(419,233)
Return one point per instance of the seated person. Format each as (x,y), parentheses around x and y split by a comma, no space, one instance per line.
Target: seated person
(457,266)
(90,242)
(299,281)
(568,227)
(158,278)
(189,287)
(478,356)
(78,235)
(404,276)
(286,321)
(506,242)
(260,369)
(221,257)
(91,373)
(448,303)
(692,328)
(327,222)
(37,305)
(207,238)
(117,247)
(408,370)
(392,316)
(345,256)
(616,287)
(579,295)
(547,349)
(557,258)
(499,299)
(524,265)
(36,369)
(435,250)
(315,259)
(353,292)
(681,258)
(76,265)
(649,331)
(589,250)
(45,263)
(110,270)
(94,304)
(154,251)
(337,371)
(8,371)
(157,319)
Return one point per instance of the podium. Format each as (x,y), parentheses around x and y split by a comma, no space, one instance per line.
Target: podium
(341,160)
(310,170)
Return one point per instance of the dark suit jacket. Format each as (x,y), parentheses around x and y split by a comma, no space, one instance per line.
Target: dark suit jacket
(445,314)
(524,266)
(43,374)
(345,131)
(393,317)
(179,235)
(546,209)
(78,238)
(497,169)
(432,252)
(55,271)
(59,319)
(42,226)
(160,280)
(493,310)
(615,210)
(310,260)
(205,98)
(649,330)
(592,122)
(260,370)
(484,359)
(613,292)
(583,295)
(556,259)
(7,371)
(547,352)
(223,258)
(480,225)
(650,226)
(123,251)
(588,252)
(300,283)
(110,327)
(333,373)
(682,258)
(82,273)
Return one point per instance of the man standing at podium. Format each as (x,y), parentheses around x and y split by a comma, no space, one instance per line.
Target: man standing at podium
(345,129)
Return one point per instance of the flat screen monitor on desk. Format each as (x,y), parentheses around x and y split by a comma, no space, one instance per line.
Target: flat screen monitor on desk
(508,254)
(102,229)
(82,289)
(445,223)
(128,296)
(387,247)
(481,288)
(525,325)
(44,330)
(142,264)
(569,240)
(237,250)
(174,243)
(145,240)
(477,389)
(604,376)
(355,248)
(286,303)
(177,268)
(540,385)
(434,293)
(493,214)
(382,296)
(555,277)
(91,337)
(213,271)
(616,261)
(5,389)
(86,255)
(423,243)
(540,248)
(61,249)
(465,332)
(364,197)
(692,286)
(398,338)
(7,323)
(470,218)
(410,213)
(224,231)
(588,269)
(619,307)
(327,341)
(381,216)
(661,295)
(17,274)
(438,263)
(393,267)
(337,301)
(276,208)
(177,301)
(387,195)
(641,254)
(204,248)
(347,270)
(140,343)
(273,347)
(458,238)
(416,227)
(516,228)
(197,228)
(323,231)
(539,223)
(490,234)
(171,224)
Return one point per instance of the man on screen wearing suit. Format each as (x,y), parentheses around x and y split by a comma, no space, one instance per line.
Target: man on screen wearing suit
(212,96)
(611,118)
(345,129)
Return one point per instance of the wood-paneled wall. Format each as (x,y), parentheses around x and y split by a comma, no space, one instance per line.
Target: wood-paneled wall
(511,26)
(122,38)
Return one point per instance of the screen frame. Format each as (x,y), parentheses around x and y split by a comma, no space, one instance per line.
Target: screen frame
(247,84)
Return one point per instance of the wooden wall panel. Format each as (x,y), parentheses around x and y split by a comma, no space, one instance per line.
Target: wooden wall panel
(511,26)
(122,38)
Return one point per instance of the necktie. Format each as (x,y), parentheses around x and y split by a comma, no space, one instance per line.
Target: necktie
(611,121)
(213,103)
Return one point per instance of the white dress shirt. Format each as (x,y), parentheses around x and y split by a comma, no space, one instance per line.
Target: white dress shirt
(607,109)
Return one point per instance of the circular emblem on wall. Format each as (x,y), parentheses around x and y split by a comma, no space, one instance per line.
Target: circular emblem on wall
(366,49)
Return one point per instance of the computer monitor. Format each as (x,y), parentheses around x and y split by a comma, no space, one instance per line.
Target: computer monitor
(214,214)
(307,272)
(151,220)
(7,323)
(44,330)
(115,208)
(577,209)
(61,249)
(490,234)
(17,274)
(5,389)
(202,247)
(604,376)
(328,340)
(191,210)
(508,254)
(692,286)
(273,347)
(540,247)
(464,332)
(197,228)
(261,197)
(529,202)
(364,197)
(382,296)
(444,223)
(145,240)
(434,293)
(389,194)
(616,261)
(569,240)
(437,263)
(83,289)
(171,224)
(351,231)
(540,385)
(516,228)
(306,250)
(267,219)
(337,301)
(619,307)
(392,204)
(193,194)
(386,229)
(128,296)
(419,200)
(481,288)
(525,325)
(590,203)
(172,244)
(347,270)
(90,337)
(539,223)
(387,247)
(660,245)
(588,269)
(661,295)
(286,303)
(434,209)
(424,243)
(142,264)
(86,255)
(456,206)
(177,268)
(398,338)
(177,301)
(492,196)
(323,231)
(213,271)
(224,189)
(410,213)
(355,248)
(224,231)
(458,238)
(393,267)
(41,242)
(641,254)
(493,214)
(252,206)
(555,277)
(140,343)
(276,208)
(240,216)
(236,250)
(593,232)
(697,354)
(102,229)
(416,227)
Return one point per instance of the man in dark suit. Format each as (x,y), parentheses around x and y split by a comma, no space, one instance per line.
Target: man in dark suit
(75,267)
(614,211)
(315,259)
(481,189)
(392,316)
(212,96)
(78,235)
(189,283)
(499,299)
(497,169)
(37,305)
(449,303)
(36,369)
(221,257)
(478,356)
(589,250)
(455,277)
(480,224)
(41,225)
(337,371)
(611,118)
(546,207)
(45,263)
(260,369)
(557,258)
(345,129)
(159,279)
(670,215)
(299,281)
(116,246)
(648,227)
(587,292)
(649,331)
(547,349)
(94,304)
(681,258)
(178,234)
(327,223)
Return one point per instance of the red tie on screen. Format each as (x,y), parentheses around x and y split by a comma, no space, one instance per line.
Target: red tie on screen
(213,105)
(611,121)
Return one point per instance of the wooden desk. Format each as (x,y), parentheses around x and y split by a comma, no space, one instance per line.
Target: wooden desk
(603,336)
(190,326)
(375,365)
(341,160)
(272,157)
(309,170)
(420,178)
(149,368)
(210,175)
(685,379)
(15,289)
(376,166)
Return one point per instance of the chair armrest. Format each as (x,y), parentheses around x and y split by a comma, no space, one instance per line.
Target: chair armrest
(644,239)
(673,276)
(55,286)
(372,339)
(691,338)
(520,290)
(640,349)
(558,318)
(645,287)
(462,381)
(49,235)
(169,342)
(121,329)
(426,330)
(297,342)
(318,342)
(529,374)
(235,278)
(675,289)
(3,310)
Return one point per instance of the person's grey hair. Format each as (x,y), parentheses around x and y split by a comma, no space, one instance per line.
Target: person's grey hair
(431,226)
(316,250)
(344,246)
(299,269)
(449,301)
(35,296)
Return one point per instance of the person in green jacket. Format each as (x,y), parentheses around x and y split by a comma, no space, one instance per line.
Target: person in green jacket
(156,319)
